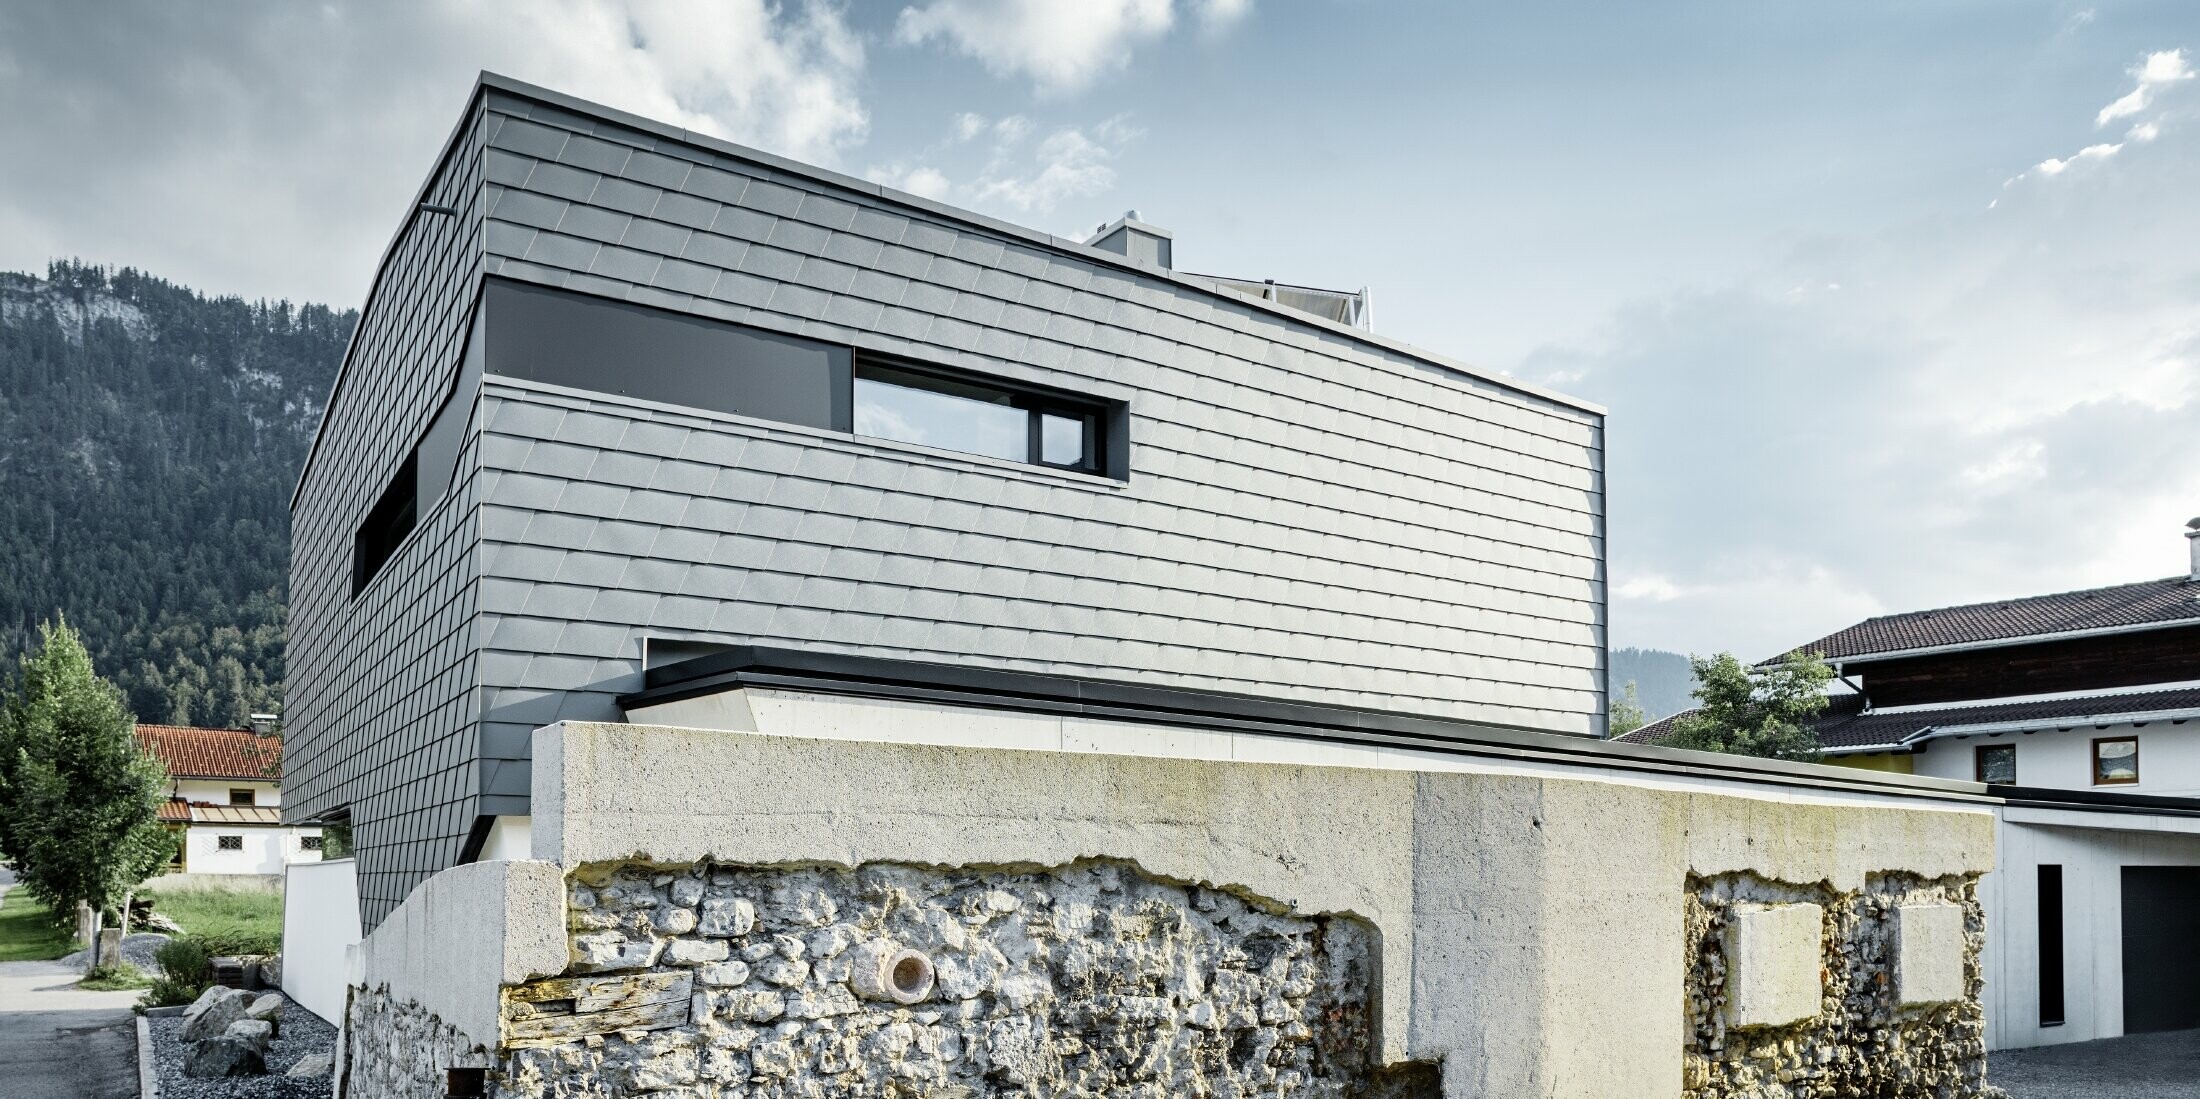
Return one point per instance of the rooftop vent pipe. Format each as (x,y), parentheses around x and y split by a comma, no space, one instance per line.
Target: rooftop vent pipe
(2192,538)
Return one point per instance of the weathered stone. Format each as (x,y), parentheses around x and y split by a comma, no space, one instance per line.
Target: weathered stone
(313,1064)
(213,1011)
(674,921)
(727,917)
(268,1009)
(1773,964)
(695,951)
(256,1033)
(219,1057)
(1929,952)
(724,973)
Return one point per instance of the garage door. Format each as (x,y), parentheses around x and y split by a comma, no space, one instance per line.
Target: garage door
(2161,948)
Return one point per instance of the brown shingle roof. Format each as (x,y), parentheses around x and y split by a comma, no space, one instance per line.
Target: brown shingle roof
(2153,602)
(214,753)
(175,811)
(1845,725)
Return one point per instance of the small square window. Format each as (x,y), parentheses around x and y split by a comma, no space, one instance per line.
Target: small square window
(1997,763)
(229,843)
(2116,761)
(241,796)
(309,843)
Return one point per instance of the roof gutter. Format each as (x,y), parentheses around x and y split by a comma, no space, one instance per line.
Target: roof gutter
(1988,728)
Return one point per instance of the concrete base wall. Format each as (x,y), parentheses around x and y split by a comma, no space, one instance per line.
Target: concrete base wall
(1531,932)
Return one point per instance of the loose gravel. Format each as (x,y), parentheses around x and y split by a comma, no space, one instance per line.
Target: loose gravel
(302,1034)
(136,949)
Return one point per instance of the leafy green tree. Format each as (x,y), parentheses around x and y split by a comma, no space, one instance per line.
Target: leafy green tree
(1755,712)
(80,797)
(1627,713)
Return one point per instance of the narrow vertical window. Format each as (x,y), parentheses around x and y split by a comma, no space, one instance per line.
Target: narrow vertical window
(2051,945)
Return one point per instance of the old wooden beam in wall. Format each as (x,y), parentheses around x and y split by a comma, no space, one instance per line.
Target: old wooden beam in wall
(545,1013)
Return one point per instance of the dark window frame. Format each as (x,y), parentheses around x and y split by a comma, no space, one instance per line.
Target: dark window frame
(249,796)
(1102,455)
(1978,761)
(386,526)
(2096,760)
(229,843)
(2050,944)
(309,843)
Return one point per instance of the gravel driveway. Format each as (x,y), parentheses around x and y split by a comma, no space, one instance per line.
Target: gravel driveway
(2136,1066)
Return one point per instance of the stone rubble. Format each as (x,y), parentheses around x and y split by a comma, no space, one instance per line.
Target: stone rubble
(1862,1043)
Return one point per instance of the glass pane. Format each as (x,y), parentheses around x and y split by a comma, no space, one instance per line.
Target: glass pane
(1062,439)
(2116,760)
(1997,764)
(892,404)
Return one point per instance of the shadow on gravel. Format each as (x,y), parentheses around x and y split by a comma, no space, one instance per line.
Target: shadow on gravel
(2136,1066)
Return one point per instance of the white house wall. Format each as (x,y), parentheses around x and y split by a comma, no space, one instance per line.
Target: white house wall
(264,851)
(215,791)
(2092,861)
(2169,757)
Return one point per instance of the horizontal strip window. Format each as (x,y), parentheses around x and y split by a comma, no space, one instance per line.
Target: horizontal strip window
(961,412)
(586,342)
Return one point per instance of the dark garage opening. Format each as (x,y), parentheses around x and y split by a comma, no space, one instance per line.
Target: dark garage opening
(2161,948)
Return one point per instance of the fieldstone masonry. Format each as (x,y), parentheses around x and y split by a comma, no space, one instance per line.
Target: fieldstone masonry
(1866,1036)
(887,980)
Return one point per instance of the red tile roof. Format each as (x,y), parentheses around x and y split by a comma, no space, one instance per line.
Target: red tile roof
(214,753)
(175,811)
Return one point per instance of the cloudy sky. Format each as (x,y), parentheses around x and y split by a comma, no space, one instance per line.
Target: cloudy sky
(1894,304)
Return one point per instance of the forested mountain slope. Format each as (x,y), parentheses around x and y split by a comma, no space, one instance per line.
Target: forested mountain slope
(149,440)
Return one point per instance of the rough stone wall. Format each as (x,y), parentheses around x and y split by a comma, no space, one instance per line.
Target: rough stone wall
(1086,980)
(394,1048)
(1863,1044)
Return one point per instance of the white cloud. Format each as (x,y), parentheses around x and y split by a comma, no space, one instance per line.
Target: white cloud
(2054,167)
(2015,465)
(184,163)
(1069,163)
(2158,71)
(2144,132)
(1059,45)
(1655,589)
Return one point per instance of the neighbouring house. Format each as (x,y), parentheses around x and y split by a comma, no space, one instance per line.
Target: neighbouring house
(765,632)
(2083,709)
(225,802)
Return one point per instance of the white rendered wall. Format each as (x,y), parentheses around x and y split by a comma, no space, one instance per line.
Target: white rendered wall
(320,925)
(2169,757)
(264,850)
(2092,859)
(215,791)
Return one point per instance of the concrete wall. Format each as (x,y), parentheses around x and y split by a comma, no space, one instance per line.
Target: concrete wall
(2092,849)
(320,927)
(463,935)
(2169,757)
(1532,926)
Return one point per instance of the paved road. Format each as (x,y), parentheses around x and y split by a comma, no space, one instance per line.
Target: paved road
(2137,1066)
(58,1041)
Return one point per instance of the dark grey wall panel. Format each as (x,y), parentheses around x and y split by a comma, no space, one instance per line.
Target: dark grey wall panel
(381,703)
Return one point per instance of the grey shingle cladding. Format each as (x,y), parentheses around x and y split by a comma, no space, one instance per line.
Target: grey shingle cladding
(1309,514)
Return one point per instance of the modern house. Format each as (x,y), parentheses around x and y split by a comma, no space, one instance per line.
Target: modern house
(224,801)
(618,397)
(766,633)
(2083,709)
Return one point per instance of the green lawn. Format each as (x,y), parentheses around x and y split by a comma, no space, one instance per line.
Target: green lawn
(241,921)
(28,932)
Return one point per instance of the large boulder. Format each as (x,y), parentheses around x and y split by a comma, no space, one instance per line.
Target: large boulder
(268,1009)
(252,1032)
(313,1064)
(223,1056)
(213,1011)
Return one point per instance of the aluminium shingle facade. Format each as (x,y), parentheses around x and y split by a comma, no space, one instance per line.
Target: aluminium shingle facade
(1310,512)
